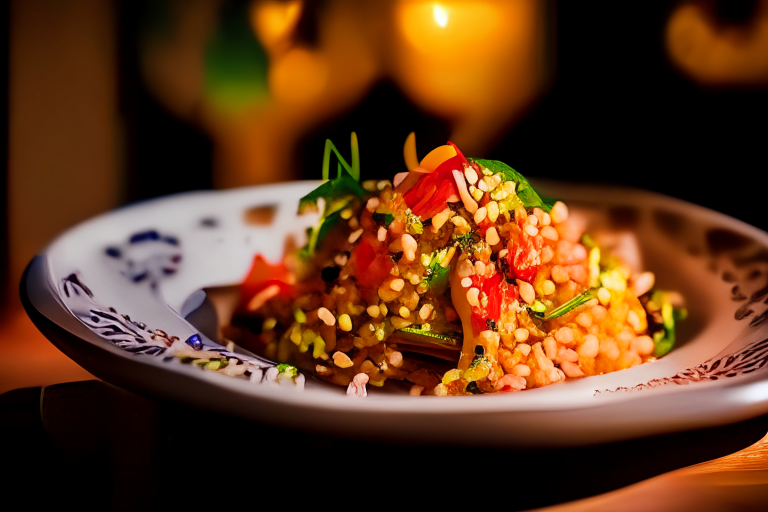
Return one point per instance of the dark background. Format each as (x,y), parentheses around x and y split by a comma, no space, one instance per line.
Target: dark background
(617,112)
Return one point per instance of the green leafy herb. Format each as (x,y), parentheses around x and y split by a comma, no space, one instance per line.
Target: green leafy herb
(435,274)
(336,194)
(538,306)
(569,306)
(663,333)
(524,189)
(383,218)
(353,169)
(288,369)
(466,240)
(413,223)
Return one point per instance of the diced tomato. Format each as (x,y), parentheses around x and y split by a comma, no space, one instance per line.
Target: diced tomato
(523,260)
(478,322)
(370,261)
(511,294)
(494,288)
(263,274)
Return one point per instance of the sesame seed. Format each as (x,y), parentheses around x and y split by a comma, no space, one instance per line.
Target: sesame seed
(549,233)
(559,212)
(471,175)
(395,359)
(341,360)
(492,236)
(355,235)
(372,204)
(526,291)
(409,243)
(493,211)
(326,316)
(465,269)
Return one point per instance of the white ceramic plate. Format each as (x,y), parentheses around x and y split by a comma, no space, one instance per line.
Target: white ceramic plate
(106,285)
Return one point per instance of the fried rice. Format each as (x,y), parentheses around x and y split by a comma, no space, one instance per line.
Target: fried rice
(454,278)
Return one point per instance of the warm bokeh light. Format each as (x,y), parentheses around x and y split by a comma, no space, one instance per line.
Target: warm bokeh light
(714,53)
(425,25)
(274,21)
(440,15)
(480,72)
(476,64)
(307,84)
(299,76)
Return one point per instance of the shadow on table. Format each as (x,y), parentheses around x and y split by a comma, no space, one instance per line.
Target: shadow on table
(103,448)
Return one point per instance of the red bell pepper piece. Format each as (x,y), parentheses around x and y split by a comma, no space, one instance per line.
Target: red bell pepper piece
(492,287)
(459,154)
(429,196)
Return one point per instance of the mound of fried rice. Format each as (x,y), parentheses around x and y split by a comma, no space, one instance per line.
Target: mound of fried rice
(451,295)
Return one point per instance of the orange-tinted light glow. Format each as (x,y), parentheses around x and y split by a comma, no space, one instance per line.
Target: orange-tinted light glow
(299,76)
(440,14)
(272,20)
(717,55)
(431,27)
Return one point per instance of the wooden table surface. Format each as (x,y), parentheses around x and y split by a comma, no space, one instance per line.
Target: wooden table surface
(720,470)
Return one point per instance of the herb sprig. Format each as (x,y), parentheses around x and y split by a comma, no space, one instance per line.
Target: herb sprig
(336,194)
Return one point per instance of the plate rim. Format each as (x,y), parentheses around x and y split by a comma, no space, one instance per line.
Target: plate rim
(727,393)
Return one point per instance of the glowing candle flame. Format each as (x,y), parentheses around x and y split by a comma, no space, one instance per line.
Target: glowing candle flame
(440,15)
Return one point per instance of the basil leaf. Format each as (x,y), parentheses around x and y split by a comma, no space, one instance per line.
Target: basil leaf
(524,190)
